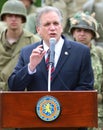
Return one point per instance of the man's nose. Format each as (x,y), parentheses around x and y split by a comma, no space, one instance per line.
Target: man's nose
(52,26)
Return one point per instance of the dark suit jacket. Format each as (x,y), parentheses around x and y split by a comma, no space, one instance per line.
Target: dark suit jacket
(73,70)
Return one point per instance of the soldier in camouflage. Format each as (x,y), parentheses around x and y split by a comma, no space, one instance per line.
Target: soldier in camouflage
(97,7)
(30,7)
(84,28)
(13,38)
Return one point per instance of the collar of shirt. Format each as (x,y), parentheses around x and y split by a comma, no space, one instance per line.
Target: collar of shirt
(58,48)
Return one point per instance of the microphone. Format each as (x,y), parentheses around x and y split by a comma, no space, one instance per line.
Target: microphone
(52,42)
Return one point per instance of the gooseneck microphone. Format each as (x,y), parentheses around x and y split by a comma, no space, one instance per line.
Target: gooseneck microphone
(52,43)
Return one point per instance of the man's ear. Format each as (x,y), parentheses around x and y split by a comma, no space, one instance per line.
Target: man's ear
(38,30)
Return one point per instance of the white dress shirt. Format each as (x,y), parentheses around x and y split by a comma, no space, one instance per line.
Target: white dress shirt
(58,48)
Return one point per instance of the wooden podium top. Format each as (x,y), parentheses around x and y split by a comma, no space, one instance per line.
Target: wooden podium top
(78,109)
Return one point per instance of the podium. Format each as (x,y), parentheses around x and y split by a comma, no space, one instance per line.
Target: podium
(78,109)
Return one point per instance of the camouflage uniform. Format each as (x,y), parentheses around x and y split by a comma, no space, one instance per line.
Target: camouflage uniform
(9,54)
(86,21)
(97,64)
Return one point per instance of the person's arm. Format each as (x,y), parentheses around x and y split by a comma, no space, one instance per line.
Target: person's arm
(21,78)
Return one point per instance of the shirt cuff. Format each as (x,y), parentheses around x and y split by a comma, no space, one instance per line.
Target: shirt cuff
(31,72)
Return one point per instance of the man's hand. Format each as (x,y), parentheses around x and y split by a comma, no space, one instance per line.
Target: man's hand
(36,57)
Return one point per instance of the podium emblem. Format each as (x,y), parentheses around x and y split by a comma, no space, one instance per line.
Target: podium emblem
(48,108)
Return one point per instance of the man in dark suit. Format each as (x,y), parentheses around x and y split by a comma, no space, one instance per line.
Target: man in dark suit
(72,61)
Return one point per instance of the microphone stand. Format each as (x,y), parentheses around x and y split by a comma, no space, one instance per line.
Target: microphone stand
(49,77)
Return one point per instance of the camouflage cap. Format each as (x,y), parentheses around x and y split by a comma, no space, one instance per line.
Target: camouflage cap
(86,21)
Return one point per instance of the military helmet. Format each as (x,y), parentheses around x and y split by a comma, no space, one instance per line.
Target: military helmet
(14,7)
(85,21)
(32,1)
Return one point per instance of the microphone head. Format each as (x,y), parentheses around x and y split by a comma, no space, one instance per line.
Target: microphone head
(52,42)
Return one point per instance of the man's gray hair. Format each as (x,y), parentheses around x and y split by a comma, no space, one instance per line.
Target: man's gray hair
(47,9)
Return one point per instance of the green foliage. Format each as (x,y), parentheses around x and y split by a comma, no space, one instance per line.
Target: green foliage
(1,4)
(37,3)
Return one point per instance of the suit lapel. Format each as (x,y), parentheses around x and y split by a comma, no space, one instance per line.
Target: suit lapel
(66,50)
(43,68)
(62,59)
